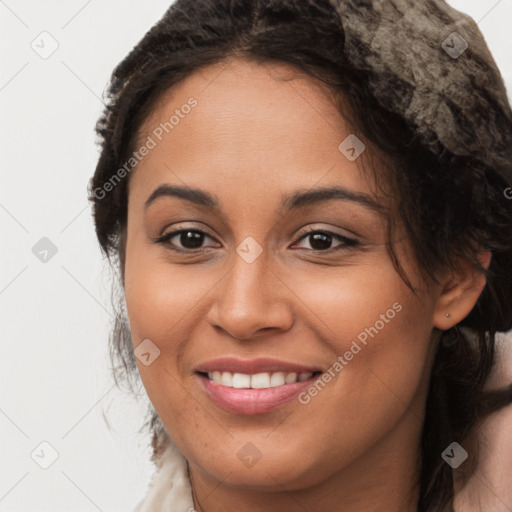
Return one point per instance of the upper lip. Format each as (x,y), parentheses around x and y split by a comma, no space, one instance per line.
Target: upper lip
(252,366)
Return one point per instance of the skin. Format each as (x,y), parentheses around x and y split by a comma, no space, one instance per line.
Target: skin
(250,139)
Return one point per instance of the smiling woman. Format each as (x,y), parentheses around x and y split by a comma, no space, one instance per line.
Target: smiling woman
(315,255)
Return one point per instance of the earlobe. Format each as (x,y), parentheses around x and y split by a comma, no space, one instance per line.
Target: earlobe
(460,293)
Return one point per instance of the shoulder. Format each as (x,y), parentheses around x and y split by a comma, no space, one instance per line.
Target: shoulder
(490,487)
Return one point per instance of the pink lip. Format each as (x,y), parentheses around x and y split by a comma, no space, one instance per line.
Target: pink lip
(252,401)
(252,366)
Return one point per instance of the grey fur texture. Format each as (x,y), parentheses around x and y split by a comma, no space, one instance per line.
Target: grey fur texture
(404,38)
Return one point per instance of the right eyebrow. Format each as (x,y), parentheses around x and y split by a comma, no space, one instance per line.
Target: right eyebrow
(194,195)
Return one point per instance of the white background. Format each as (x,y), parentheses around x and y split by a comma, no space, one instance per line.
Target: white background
(55,383)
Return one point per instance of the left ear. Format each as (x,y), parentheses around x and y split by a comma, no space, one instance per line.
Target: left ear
(460,292)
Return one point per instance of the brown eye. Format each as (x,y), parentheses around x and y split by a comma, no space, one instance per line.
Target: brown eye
(187,239)
(321,240)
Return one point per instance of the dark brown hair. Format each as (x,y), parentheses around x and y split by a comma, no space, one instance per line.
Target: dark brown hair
(443,119)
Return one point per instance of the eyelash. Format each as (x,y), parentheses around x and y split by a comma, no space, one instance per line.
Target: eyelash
(347,243)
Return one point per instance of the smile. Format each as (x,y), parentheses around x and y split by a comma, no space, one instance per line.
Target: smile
(254,394)
(258,380)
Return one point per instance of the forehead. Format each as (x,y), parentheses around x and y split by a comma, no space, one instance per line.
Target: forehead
(248,91)
(267,124)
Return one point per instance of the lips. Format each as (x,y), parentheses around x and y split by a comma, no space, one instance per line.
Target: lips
(242,397)
(253,401)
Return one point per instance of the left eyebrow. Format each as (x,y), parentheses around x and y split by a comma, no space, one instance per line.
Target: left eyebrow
(300,199)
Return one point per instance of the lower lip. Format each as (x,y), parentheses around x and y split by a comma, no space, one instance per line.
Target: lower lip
(253,401)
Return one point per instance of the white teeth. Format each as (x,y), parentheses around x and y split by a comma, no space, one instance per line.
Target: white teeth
(226,379)
(260,380)
(277,379)
(257,380)
(291,377)
(241,380)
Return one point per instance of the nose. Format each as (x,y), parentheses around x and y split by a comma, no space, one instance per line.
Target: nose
(250,299)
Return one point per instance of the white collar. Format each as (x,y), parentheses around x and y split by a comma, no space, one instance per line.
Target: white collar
(169,488)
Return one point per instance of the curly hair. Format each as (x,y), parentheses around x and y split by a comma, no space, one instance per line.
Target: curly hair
(443,120)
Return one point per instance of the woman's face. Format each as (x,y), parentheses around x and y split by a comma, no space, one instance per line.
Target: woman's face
(305,282)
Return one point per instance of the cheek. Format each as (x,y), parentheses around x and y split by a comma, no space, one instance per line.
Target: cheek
(159,296)
(158,304)
(378,332)
(362,302)
(164,303)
